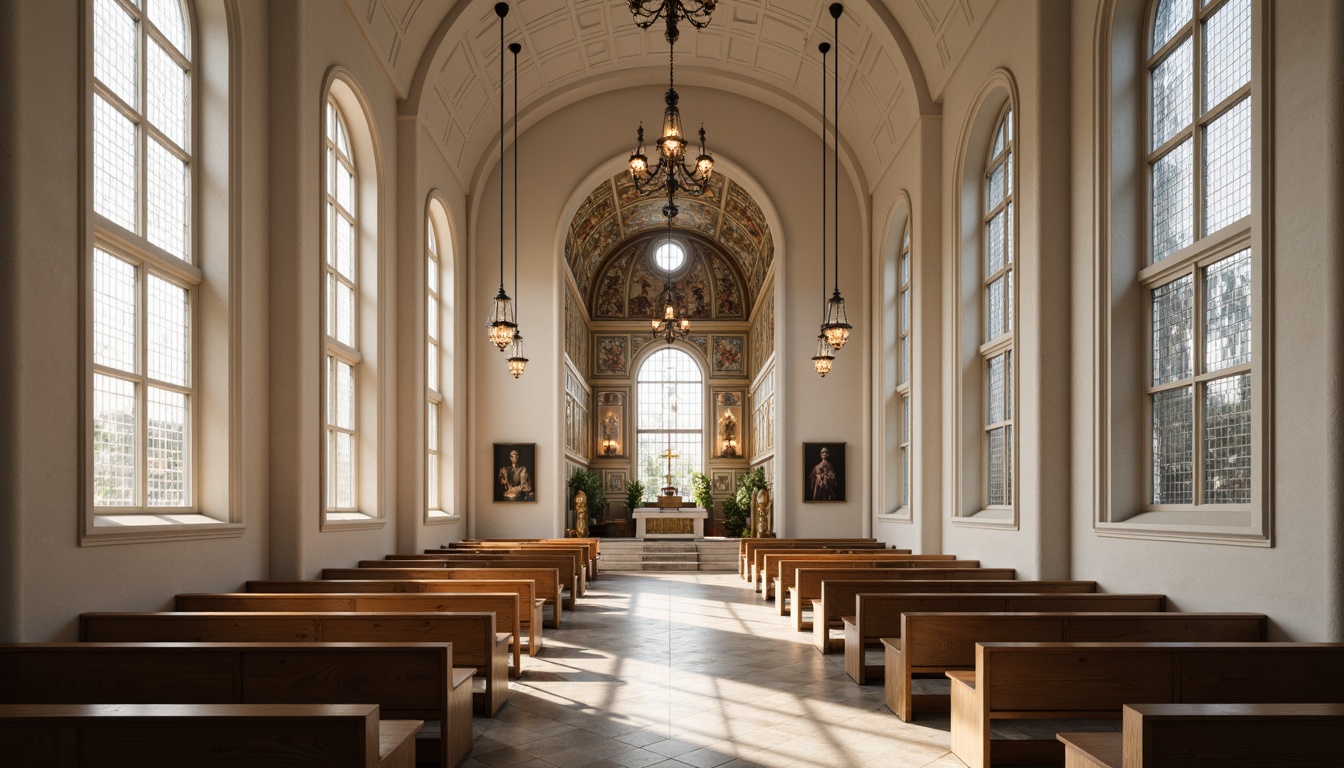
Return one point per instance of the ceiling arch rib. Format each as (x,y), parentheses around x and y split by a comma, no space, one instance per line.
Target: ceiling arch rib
(567,42)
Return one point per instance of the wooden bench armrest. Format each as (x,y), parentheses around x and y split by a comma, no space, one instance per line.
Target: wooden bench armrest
(850,621)
(965,677)
(397,736)
(503,638)
(463,675)
(895,643)
(1097,750)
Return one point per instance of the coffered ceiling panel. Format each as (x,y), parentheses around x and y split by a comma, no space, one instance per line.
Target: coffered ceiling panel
(453,48)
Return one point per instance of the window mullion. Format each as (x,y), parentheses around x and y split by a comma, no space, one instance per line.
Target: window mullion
(1196,395)
(1197,130)
(142,388)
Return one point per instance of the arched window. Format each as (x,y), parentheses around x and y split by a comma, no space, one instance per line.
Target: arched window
(996,350)
(670,397)
(903,377)
(342,308)
(438,314)
(1198,276)
(144,275)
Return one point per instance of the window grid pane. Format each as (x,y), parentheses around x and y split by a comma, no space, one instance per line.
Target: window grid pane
(1172,92)
(994,313)
(905,359)
(689,447)
(432,366)
(1173,310)
(1171,16)
(114,442)
(167,17)
(998,493)
(997,391)
(670,392)
(115,184)
(1227,167)
(1173,201)
(166,94)
(166,461)
(166,207)
(116,51)
(1227,51)
(1173,447)
(114,312)
(994,255)
(1227,440)
(1227,312)
(168,330)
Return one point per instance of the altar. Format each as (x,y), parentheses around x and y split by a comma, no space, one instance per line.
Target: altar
(686,523)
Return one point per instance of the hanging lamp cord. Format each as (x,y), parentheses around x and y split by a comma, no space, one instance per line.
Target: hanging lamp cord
(502,9)
(515,48)
(836,9)
(824,48)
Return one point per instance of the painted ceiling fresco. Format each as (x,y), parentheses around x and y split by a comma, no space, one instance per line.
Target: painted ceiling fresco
(628,284)
(727,221)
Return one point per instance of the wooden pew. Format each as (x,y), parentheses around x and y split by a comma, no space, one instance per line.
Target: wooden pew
(408,681)
(877,616)
(578,551)
(745,547)
(476,644)
(594,545)
(1057,681)
(1214,736)
(754,567)
(205,735)
(529,604)
(588,547)
(548,581)
(935,643)
(779,569)
(571,573)
(503,604)
(838,596)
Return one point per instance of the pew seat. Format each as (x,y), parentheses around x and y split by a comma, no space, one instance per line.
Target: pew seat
(1062,681)
(934,643)
(204,736)
(476,644)
(408,681)
(1214,736)
(878,616)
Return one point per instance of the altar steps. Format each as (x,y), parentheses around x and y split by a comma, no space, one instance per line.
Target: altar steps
(698,555)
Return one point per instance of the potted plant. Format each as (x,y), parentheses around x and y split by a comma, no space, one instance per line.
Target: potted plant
(700,493)
(734,516)
(591,484)
(634,495)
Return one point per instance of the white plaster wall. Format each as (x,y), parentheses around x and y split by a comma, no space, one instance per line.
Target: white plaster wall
(779,154)
(48,580)
(1298,581)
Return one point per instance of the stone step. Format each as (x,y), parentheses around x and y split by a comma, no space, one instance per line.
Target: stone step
(669,555)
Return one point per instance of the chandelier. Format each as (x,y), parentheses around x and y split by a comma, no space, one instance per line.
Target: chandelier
(671,173)
(825,355)
(500,322)
(517,360)
(836,326)
(647,13)
(670,324)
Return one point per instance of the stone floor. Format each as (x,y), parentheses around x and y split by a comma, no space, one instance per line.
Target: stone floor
(690,669)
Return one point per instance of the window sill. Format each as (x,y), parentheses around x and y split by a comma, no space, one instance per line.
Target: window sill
(350,520)
(439,517)
(1000,518)
(1241,527)
(132,529)
(901,515)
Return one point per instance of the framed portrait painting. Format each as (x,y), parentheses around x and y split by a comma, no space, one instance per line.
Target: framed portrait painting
(823,471)
(515,469)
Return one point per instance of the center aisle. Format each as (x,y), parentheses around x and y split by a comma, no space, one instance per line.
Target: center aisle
(674,669)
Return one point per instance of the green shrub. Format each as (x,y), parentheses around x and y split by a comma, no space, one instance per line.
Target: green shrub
(700,493)
(634,494)
(734,516)
(591,484)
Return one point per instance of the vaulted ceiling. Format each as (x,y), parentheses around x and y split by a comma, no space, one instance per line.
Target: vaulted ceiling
(614,214)
(895,57)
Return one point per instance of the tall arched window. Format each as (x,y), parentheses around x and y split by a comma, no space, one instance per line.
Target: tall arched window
(996,351)
(903,377)
(143,273)
(342,307)
(1198,276)
(438,251)
(670,397)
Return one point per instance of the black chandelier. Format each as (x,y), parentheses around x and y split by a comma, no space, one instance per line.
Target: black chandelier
(517,360)
(672,173)
(501,322)
(836,327)
(825,356)
(669,324)
(648,12)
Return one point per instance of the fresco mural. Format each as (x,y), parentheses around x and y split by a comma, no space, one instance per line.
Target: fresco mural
(614,215)
(727,355)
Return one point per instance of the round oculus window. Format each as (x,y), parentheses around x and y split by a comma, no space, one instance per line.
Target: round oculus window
(669,256)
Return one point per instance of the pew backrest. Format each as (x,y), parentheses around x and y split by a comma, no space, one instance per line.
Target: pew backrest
(1232,735)
(879,615)
(547,580)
